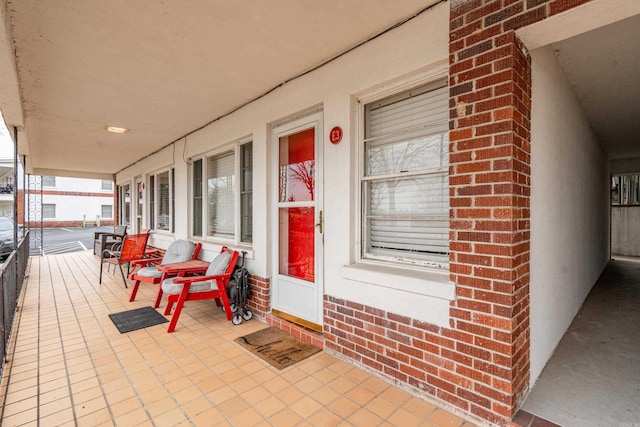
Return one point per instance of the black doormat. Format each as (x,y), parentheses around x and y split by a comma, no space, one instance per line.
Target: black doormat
(131,320)
(277,347)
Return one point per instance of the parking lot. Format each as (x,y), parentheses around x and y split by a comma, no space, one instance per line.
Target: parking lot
(64,240)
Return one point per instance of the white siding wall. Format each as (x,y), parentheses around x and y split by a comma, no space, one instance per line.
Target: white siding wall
(376,66)
(73,207)
(569,207)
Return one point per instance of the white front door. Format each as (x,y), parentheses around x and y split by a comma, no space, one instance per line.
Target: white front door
(297,221)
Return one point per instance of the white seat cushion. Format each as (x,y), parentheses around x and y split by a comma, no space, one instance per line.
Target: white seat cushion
(149,272)
(168,287)
(219,264)
(178,251)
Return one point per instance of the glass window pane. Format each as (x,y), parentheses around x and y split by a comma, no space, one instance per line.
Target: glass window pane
(246,193)
(48,210)
(221,195)
(297,243)
(152,202)
(197,197)
(163,201)
(125,203)
(297,167)
(106,211)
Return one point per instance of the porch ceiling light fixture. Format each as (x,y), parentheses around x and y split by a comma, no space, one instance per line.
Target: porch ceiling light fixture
(116,129)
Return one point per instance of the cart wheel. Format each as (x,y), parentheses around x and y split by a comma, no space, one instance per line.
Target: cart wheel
(236,319)
(247,315)
(234,307)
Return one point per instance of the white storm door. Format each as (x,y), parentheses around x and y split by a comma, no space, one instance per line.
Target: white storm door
(297,245)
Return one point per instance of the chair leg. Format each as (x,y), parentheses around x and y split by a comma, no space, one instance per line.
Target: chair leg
(156,304)
(134,291)
(101,264)
(124,279)
(182,297)
(170,300)
(225,303)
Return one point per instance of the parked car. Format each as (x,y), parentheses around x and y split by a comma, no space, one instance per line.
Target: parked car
(6,236)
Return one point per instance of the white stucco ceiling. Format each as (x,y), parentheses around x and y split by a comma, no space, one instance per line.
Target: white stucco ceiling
(160,68)
(603,66)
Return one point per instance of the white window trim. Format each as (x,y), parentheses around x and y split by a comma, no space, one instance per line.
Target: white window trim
(387,263)
(156,199)
(236,240)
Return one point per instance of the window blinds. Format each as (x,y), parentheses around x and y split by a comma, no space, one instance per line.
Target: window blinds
(221,195)
(405,185)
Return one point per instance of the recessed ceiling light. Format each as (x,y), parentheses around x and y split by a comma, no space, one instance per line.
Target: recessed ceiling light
(116,129)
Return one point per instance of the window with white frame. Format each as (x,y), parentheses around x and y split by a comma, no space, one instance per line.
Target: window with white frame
(222,193)
(106,211)
(161,200)
(405,181)
(107,185)
(48,181)
(125,204)
(48,210)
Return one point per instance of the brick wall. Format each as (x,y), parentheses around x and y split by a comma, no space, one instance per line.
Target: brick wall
(480,363)
(260,297)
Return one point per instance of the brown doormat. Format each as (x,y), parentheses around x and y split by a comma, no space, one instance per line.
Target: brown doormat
(277,347)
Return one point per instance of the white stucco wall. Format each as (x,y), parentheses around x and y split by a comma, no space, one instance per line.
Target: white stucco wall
(569,207)
(377,66)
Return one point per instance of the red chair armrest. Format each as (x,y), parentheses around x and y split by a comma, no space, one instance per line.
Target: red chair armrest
(192,279)
(145,262)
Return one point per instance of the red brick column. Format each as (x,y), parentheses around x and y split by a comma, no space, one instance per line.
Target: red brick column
(490,111)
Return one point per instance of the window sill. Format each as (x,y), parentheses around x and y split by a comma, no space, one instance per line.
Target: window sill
(422,282)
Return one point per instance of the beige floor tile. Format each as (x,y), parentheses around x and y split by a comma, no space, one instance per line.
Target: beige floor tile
(248,417)
(173,417)
(382,407)
(305,406)
(18,395)
(285,418)
(402,417)
(159,407)
(124,407)
(132,418)
(290,394)
(20,406)
(444,418)
(325,395)
(324,418)
(419,407)
(344,406)
(60,418)
(96,418)
(360,395)
(364,417)
(21,418)
(211,417)
(270,406)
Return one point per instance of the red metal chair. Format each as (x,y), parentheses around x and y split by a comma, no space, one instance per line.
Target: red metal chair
(178,251)
(213,285)
(131,249)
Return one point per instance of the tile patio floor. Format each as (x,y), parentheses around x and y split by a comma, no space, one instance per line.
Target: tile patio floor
(70,366)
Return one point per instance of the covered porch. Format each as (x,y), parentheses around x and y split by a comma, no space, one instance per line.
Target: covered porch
(69,365)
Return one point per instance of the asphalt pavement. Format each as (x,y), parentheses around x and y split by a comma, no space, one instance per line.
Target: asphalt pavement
(64,240)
